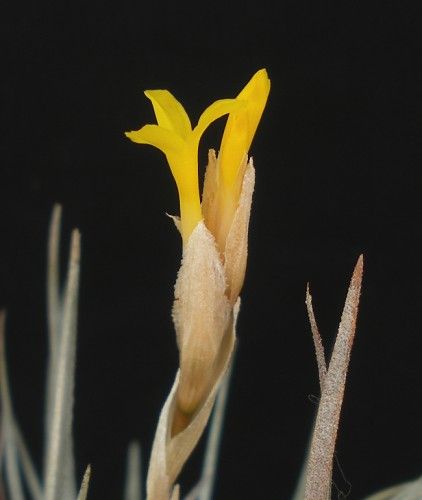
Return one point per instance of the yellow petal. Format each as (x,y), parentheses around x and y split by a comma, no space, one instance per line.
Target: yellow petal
(169,112)
(232,159)
(179,155)
(215,111)
(241,126)
(182,159)
(165,140)
(255,93)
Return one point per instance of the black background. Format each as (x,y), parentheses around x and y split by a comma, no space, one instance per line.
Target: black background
(337,166)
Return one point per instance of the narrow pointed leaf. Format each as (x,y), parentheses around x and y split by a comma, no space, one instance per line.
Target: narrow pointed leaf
(319,348)
(53,277)
(322,372)
(58,474)
(54,313)
(28,470)
(13,477)
(83,492)
(320,464)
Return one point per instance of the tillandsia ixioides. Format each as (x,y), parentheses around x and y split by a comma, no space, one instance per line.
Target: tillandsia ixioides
(214,232)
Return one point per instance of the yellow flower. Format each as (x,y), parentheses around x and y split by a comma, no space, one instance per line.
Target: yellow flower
(214,232)
(174,136)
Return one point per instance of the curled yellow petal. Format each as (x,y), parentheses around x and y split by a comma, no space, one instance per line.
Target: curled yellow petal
(215,111)
(169,112)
